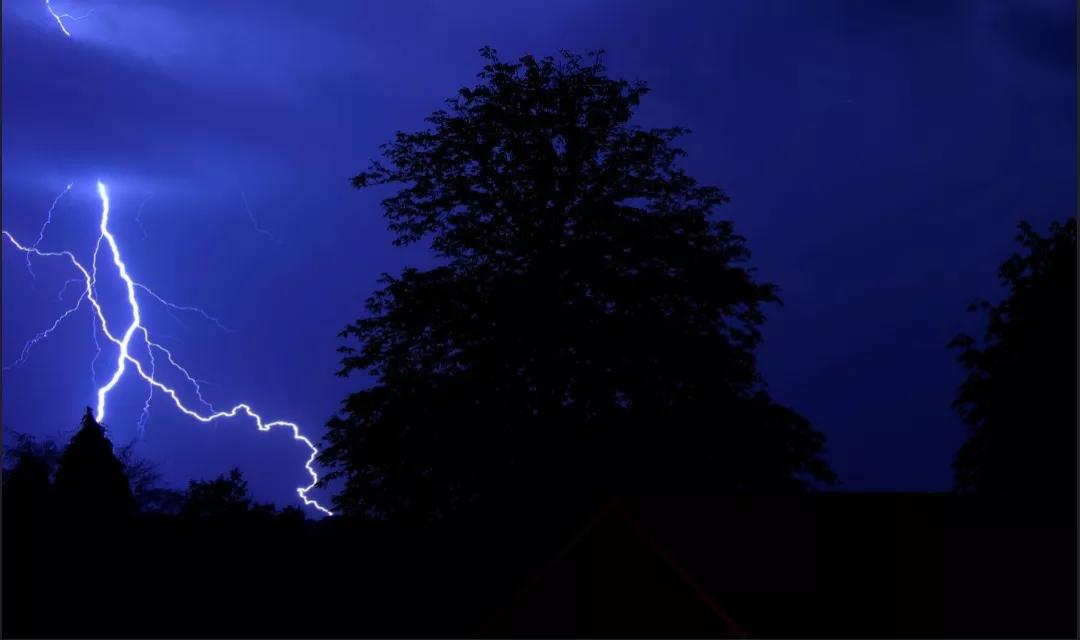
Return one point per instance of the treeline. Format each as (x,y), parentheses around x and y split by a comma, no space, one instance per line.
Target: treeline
(93,547)
(90,478)
(216,563)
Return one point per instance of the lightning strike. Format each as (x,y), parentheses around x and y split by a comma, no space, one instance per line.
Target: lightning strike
(134,329)
(60,17)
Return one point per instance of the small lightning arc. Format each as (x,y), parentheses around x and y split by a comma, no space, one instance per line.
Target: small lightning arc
(180,307)
(138,213)
(136,328)
(41,335)
(151,345)
(144,416)
(48,221)
(254,221)
(60,17)
(97,346)
(63,289)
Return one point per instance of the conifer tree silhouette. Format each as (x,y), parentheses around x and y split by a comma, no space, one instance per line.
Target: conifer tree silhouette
(90,480)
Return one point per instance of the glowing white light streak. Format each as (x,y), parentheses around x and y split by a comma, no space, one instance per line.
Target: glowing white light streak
(144,416)
(125,357)
(60,17)
(180,307)
(151,345)
(136,313)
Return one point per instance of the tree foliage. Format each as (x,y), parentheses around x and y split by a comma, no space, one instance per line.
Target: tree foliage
(28,482)
(591,324)
(150,495)
(1019,396)
(222,496)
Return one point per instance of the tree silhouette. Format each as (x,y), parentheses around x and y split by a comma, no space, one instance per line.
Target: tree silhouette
(90,480)
(223,496)
(1019,397)
(145,482)
(592,325)
(27,484)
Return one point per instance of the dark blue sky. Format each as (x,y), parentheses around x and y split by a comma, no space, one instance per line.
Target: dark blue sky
(878,156)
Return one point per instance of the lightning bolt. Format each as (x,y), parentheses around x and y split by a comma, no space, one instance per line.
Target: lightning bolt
(135,330)
(60,17)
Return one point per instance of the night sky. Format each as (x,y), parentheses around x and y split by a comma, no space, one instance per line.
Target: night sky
(878,156)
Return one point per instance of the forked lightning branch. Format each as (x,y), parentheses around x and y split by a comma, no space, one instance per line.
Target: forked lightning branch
(135,333)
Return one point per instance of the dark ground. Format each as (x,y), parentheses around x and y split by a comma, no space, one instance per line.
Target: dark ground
(826,565)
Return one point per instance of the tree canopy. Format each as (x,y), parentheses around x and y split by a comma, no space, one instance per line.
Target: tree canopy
(1019,396)
(591,324)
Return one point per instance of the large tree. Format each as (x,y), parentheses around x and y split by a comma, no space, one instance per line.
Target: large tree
(591,325)
(1019,396)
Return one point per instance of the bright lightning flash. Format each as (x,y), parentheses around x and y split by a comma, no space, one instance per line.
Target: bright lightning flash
(135,330)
